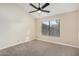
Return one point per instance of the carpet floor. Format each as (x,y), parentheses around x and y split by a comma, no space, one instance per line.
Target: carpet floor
(39,48)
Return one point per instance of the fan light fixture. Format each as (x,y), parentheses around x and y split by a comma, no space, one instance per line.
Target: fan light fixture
(39,11)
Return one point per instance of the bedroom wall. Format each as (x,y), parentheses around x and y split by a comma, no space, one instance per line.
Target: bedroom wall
(68,29)
(16,26)
(78,27)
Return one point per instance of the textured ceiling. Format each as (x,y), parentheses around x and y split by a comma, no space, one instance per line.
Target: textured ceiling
(54,8)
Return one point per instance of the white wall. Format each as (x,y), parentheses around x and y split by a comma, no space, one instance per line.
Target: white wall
(78,27)
(68,29)
(15,26)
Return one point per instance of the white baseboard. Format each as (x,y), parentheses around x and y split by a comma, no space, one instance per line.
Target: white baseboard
(40,40)
(59,43)
(15,43)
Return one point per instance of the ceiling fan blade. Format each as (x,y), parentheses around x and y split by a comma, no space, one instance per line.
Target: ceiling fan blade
(45,5)
(33,11)
(45,11)
(39,5)
(33,6)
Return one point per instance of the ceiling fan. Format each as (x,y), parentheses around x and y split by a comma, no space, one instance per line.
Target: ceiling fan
(39,9)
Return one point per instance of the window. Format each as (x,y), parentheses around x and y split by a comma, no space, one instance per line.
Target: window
(51,27)
(45,28)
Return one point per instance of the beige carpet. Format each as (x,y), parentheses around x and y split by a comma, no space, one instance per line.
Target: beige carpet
(39,48)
